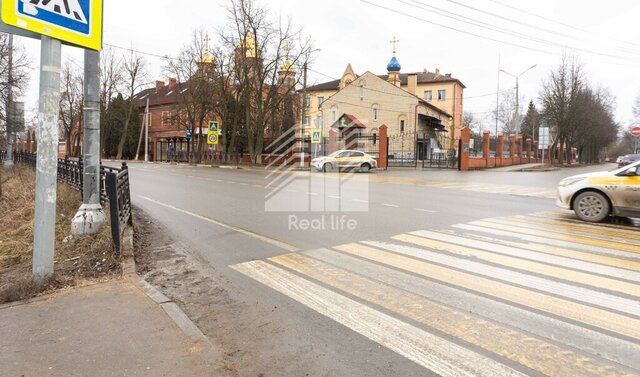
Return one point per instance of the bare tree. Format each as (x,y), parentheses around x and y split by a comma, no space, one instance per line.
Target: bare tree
(71,104)
(17,81)
(111,80)
(194,73)
(261,47)
(559,97)
(135,77)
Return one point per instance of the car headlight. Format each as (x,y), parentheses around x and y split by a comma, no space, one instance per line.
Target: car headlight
(570,181)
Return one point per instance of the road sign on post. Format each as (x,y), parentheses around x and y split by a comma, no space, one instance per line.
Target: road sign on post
(543,140)
(316,136)
(212,138)
(188,134)
(77,22)
(635,131)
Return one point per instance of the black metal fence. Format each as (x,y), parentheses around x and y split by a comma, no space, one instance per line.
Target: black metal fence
(114,188)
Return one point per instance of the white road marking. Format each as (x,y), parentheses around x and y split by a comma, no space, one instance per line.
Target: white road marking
(531,282)
(390,205)
(532,255)
(333,197)
(424,210)
(427,350)
(249,233)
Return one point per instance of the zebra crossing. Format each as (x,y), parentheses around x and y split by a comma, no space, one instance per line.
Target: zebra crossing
(538,294)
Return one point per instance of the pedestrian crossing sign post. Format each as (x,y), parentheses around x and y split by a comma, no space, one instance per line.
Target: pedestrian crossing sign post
(214,126)
(76,22)
(316,136)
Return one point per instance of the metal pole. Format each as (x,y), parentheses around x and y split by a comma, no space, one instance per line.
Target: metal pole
(47,160)
(304,110)
(495,160)
(90,217)
(516,122)
(10,116)
(146,133)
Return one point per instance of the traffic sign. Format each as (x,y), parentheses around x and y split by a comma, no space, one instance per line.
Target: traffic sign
(77,22)
(543,138)
(214,126)
(212,138)
(316,136)
(188,134)
(635,131)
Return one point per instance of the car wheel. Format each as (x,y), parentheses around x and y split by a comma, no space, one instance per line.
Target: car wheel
(365,168)
(327,167)
(591,206)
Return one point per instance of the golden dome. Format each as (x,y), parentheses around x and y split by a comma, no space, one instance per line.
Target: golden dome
(248,44)
(286,67)
(207,58)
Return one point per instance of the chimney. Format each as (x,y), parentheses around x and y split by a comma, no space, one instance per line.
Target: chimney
(172,83)
(448,75)
(412,83)
(159,85)
(437,76)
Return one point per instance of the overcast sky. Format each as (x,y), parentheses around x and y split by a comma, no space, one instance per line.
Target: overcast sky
(604,36)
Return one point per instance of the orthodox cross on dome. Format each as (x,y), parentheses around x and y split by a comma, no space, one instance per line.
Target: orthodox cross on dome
(393,43)
(206,43)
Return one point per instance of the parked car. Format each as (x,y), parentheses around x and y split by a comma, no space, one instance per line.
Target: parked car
(627,159)
(618,160)
(345,159)
(595,196)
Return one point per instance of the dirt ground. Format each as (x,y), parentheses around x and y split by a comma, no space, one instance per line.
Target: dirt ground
(78,260)
(204,295)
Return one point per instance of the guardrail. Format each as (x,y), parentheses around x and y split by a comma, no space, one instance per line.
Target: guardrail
(114,188)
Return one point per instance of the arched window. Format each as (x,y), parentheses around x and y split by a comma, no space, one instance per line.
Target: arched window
(375,110)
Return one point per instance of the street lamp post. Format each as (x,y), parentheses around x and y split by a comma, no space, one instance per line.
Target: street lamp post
(515,121)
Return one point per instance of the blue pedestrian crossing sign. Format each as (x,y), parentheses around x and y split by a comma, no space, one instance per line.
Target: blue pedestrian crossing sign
(316,136)
(188,134)
(214,126)
(77,22)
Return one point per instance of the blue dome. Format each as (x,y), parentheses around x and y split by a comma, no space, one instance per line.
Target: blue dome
(393,65)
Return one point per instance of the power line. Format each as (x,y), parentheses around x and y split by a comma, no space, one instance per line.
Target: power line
(473,34)
(501,30)
(557,22)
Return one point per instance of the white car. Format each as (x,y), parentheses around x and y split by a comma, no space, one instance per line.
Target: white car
(345,159)
(595,196)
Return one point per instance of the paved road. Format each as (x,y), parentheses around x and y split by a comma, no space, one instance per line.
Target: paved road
(445,272)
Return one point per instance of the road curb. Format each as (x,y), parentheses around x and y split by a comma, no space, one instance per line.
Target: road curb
(177,315)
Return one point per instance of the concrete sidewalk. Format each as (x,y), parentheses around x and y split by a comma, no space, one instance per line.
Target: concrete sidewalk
(106,329)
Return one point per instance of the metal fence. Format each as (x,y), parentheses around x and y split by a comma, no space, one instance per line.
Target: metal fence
(114,188)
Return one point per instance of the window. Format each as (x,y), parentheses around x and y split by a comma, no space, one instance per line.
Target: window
(442,95)
(306,120)
(320,100)
(166,118)
(307,101)
(361,92)
(374,138)
(428,95)
(356,154)
(375,114)
(333,115)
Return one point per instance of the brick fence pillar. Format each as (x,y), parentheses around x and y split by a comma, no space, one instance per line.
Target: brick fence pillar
(465,136)
(512,145)
(383,147)
(528,149)
(486,142)
(520,150)
(500,149)
(535,151)
(333,134)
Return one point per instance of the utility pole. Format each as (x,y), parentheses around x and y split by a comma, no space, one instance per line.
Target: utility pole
(90,217)
(304,110)
(10,116)
(146,132)
(516,123)
(497,106)
(47,160)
